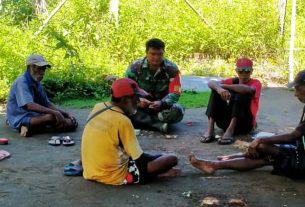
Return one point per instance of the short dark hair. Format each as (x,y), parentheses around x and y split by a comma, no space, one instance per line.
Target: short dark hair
(116,100)
(155,43)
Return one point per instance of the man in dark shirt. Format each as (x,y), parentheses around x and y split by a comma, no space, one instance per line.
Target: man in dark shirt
(28,107)
(286,160)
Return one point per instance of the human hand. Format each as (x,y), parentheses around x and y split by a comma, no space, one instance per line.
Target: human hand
(144,103)
(252,150)
(156,105)
(225,94)
(60,119)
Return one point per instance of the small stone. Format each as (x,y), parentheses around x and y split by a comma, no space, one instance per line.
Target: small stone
(169,136)
(210,201)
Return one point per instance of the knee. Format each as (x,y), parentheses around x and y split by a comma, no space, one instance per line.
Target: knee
(49,118)
(262,147)
(173,159)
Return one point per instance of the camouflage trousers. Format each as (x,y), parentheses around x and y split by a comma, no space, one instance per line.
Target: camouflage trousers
(148,118)
(172,115)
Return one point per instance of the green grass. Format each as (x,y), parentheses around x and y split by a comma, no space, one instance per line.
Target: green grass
(194,99)
(187,99)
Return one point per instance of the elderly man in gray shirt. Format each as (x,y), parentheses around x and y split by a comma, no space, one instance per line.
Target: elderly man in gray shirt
(28,107)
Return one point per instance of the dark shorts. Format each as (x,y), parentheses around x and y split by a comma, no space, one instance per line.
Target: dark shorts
(290,162)
(137,169)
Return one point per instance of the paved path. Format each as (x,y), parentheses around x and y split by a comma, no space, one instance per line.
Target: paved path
(196,83)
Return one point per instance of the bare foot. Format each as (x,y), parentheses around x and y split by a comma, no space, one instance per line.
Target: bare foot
(230,157)
(173,172)
(203,165)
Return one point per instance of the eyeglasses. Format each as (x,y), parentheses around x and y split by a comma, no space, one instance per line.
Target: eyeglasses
(243,71)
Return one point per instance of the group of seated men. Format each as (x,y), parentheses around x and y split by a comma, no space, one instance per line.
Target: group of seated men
(148,98)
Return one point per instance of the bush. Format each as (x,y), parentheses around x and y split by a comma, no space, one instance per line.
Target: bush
(81,40)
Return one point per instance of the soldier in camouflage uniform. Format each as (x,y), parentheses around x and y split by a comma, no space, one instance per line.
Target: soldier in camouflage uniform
(160,78)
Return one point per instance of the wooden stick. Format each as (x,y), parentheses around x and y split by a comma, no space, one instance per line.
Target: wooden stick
(193,8)
(46,21)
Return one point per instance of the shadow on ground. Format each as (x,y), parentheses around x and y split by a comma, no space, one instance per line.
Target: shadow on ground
(33,176)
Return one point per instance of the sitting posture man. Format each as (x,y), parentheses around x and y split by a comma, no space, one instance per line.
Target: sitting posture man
(233,104)
(28,107)
(160,78)
(285,152)
(110,150)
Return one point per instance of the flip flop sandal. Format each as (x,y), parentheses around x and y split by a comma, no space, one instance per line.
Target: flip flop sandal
(4,154)
(67,141)
(54,141)
(225,141)
(3,141)
(73,169)
(207,139)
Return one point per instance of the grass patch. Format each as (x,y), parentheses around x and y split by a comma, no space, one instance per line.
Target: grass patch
(193,99)
(189,99)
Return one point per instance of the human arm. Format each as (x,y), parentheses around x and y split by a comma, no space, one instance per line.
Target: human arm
(217,86)
(239,88)
(128,139)
(46,110)
(277,139)
(173,96)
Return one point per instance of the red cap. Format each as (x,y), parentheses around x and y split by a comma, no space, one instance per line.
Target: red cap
(244,63)
(126,87)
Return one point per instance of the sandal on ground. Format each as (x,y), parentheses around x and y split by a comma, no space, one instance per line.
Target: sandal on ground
(74,168)
(207,139)
(4,154)
(54,141)
(225,141)
(67,141)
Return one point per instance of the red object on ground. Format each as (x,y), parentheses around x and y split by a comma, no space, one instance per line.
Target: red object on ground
(189,123)
(3,141)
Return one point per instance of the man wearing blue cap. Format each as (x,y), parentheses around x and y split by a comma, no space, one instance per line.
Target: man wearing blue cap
(28,107)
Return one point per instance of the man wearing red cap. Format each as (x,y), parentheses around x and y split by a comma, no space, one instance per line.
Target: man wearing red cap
(285,152)
(233,104)
(110,151)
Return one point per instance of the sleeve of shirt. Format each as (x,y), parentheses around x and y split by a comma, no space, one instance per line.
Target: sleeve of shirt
(301,128)
(228,81)
(131,72)
(174,91)
(129,140)
(23,94)
(258,88)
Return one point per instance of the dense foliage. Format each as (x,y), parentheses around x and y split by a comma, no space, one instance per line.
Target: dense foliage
(83,44)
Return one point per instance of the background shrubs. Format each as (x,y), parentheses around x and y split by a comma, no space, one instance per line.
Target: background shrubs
(83,44)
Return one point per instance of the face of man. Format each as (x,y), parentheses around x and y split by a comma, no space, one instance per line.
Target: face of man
(154,57)
(300,92)
(244,75)
(130,105)
(37,72)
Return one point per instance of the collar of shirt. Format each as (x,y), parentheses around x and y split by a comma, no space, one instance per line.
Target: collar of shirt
(163,65)
(114,108)
(146,65)
(31,81)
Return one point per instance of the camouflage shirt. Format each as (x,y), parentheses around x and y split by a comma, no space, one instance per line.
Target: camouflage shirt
(163,85)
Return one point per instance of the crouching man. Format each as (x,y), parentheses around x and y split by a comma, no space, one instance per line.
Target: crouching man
(110,151)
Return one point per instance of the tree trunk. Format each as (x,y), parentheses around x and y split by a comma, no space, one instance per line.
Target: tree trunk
(282,11)
(40,7)
(114,10)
